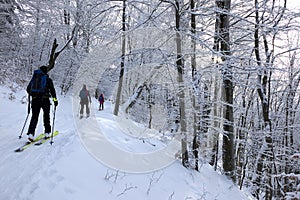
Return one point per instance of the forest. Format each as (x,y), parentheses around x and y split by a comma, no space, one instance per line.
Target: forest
(222,75)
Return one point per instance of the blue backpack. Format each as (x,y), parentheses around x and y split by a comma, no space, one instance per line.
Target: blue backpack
(38,82)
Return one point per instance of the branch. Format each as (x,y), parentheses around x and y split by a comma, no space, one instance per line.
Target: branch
(127,188)
(108,176)
(153,179)
(54,55)
(171,196)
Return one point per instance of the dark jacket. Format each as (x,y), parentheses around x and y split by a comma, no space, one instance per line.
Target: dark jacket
(101,98)
(50,90)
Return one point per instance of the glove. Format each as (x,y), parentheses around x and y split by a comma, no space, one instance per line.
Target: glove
(55,102)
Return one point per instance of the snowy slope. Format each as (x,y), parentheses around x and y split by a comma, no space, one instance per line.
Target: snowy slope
(69,171)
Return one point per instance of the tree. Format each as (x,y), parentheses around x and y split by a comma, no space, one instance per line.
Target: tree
(266,158)
(222,30)
(122,64)
(181,93)
(10,39)
(195,145)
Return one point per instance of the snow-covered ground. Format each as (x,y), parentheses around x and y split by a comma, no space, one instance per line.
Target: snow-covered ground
(71,170)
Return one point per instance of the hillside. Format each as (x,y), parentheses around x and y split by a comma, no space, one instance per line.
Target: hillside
(69,170)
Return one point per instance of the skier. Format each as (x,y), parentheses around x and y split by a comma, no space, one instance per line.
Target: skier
(85,99)
(101,101)
(40,88)
(96,93)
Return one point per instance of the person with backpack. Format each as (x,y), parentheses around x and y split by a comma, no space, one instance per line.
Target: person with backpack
(101,101)
(40,89)
(85,99)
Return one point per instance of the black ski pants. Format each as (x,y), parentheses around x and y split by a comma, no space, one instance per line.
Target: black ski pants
(101,106)
(36,105)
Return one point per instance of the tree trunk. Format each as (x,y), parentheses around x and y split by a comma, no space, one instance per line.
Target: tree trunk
(195,145)
(181,95)
(264,158)
(217,113)
(118,98)
(288,143)
(228,136)
(216,108)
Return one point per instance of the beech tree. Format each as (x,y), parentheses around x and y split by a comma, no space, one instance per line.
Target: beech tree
(122,64)
(223,46)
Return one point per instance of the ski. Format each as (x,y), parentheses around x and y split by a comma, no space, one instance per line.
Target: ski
(28,144)
(43,140)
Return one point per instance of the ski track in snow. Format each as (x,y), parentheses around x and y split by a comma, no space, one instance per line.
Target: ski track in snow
(66,171)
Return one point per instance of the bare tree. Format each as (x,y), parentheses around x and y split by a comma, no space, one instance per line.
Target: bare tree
(181,94)
(264,80)
(195,145)
(222,29)
(122,64)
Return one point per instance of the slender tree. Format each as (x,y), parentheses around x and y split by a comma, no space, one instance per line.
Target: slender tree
(121,76)
(195,145)
(181,93)
(228,154)
(266,158)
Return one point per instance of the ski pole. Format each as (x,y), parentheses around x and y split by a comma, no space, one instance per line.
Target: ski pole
(51,142)
(28,112)
(78,114)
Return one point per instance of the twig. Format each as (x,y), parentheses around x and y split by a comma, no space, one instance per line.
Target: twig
(116,177)
(153,179)
(148,142)
(109,175)
(127,189)
(171,196)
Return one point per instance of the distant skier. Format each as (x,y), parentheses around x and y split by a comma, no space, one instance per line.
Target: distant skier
(101,101)
(96,93)
(40,88)
(85,99)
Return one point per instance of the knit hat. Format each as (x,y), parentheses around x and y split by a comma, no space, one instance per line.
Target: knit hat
(44,69)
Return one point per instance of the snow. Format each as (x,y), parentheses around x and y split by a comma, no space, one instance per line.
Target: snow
(72,169)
